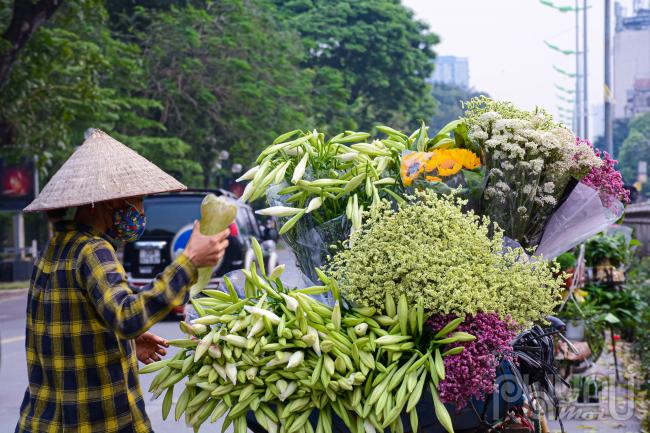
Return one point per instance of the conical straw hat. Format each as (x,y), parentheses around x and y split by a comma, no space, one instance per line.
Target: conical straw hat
(102,169)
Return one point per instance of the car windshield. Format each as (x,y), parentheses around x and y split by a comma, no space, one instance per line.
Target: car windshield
(166,215)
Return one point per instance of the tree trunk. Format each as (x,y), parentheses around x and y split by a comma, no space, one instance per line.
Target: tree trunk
(27,16)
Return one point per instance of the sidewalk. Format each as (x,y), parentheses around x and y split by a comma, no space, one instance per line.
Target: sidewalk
(622,405)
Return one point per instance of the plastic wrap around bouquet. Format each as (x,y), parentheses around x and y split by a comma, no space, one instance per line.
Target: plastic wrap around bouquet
(582,215)
(311,241)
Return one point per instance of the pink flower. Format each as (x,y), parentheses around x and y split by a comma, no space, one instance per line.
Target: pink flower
(605,179)
(472,373)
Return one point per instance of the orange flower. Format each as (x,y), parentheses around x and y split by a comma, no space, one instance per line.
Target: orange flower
(449,166)
(436,164)
(412,167)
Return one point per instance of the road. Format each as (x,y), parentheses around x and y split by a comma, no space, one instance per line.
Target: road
(13,368)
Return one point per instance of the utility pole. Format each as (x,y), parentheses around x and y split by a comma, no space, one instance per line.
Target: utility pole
(585,125)
(609,134)
(578,93)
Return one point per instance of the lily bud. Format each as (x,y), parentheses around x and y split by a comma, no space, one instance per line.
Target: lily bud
(361,329)
(292,303)
(295,360)
(279,211)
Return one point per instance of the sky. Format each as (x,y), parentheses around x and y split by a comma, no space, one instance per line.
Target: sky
(504,42)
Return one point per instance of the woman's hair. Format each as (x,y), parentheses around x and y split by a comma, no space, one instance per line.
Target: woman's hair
(56,215)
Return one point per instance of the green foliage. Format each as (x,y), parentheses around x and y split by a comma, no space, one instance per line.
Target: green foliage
(224,84)
(73,75)
(614,248)
(370,60)
(566,261)
(635,148)
(448,103)
(181,80)
(430,249)
(625,304)
(638,281)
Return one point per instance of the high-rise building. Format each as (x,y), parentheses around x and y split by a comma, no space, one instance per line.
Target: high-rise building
(632,61)
(451,70)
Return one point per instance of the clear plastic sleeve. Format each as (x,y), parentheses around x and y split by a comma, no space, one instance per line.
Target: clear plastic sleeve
(311,242)
(580,217)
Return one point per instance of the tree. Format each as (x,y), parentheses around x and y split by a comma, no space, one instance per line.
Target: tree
(635,148)
(226,76)
(620,131)
(73,75)
(448,103)
(26,18)
(369,58)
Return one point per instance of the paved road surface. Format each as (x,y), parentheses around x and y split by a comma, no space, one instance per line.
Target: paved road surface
(13,369)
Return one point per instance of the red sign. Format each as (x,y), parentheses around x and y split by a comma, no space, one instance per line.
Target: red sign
(16,186)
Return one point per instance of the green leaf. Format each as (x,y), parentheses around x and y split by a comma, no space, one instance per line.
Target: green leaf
(421,140)
(611,319)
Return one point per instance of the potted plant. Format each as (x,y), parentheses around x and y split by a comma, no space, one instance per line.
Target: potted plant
(605,254)
(567,262)
(575,321)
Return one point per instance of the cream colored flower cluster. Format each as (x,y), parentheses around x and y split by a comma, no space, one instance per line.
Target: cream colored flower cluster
(530,161)
(430,248)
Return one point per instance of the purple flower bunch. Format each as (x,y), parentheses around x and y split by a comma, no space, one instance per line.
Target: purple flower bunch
(472,373)
(605,179)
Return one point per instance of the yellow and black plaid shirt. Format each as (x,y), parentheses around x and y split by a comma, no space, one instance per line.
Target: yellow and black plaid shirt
(81,319)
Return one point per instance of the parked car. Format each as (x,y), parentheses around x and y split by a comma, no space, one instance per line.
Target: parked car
(170,217)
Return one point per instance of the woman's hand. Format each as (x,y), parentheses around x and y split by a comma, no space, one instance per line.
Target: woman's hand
(205,250)
(149,347)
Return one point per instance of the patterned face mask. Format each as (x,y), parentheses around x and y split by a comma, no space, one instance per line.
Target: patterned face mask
(128,223)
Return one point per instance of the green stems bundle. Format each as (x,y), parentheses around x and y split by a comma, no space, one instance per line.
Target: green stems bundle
(282,355)
(327,177)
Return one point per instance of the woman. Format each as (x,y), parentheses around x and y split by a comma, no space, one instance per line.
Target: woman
(85,326)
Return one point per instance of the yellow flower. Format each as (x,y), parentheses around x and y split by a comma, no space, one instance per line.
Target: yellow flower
(436,164)
(468,158)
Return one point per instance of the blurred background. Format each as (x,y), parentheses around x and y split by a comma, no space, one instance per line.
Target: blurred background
(199,87)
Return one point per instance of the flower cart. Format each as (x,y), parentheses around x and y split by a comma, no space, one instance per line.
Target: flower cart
(429,286)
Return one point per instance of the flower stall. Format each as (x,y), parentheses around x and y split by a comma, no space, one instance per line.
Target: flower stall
(424,256)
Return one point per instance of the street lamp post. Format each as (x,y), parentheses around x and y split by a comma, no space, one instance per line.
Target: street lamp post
(578,108)
(609,135)
(581,111)
(584,72)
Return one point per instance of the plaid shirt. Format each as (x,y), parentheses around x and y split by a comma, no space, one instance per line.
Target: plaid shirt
(81,319)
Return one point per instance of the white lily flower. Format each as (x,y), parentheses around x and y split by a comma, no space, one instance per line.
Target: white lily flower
(279,211)
(274,318)
(290,389)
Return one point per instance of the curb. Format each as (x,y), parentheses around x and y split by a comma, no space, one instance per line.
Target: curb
(12,293)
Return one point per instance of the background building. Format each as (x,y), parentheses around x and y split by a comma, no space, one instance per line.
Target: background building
(632,61)
(451,70)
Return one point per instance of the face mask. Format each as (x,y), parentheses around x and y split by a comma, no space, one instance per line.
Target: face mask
(128,224)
